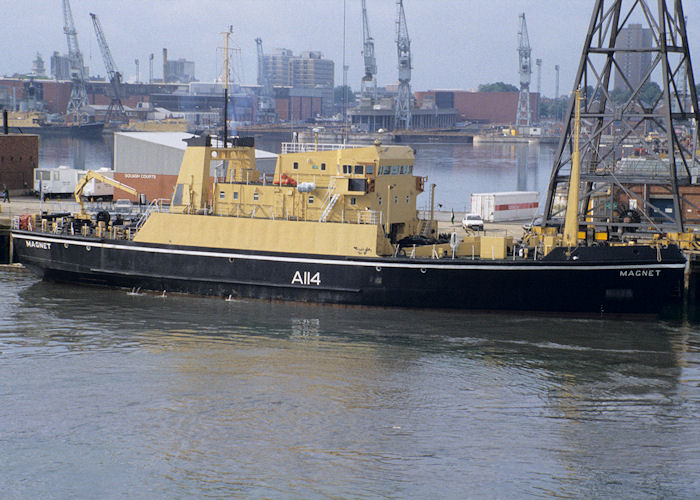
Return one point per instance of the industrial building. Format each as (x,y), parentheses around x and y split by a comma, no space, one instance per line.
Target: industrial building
(150,162)
(480,107)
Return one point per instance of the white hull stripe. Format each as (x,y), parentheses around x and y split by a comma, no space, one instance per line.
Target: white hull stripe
(338,262)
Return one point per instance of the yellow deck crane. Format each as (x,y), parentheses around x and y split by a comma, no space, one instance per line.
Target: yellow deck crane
(90,175)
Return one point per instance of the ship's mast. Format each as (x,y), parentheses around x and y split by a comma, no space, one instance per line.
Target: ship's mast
(227,35)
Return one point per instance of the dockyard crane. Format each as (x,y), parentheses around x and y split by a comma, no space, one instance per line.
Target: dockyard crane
(525,69)
(115,112)
(370,77)
(266,98)
(78,100)
(403,49)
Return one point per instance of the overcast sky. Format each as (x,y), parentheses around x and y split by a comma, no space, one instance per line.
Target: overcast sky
(455,44)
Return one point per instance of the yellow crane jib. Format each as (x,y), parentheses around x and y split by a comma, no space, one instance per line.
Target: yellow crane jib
(90,175)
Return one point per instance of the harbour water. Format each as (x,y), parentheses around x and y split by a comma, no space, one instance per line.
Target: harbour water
(111,394)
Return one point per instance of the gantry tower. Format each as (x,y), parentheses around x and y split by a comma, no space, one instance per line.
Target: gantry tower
(115,112)
(369,80)
(523,116)
(615,186)
(266,98)
(78,94)
(403,49)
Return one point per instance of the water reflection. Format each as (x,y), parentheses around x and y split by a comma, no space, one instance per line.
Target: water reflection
(199,396)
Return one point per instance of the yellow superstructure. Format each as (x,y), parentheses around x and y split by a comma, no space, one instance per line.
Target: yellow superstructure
(351,201)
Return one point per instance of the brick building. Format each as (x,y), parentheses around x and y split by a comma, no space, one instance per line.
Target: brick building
(19,156)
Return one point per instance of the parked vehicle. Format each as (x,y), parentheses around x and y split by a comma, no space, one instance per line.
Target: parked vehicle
(473,222)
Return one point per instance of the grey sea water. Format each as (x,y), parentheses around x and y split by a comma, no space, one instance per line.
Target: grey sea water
(108,394)
(113,395)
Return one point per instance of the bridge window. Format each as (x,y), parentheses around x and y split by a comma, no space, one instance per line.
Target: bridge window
(347,169)
(235,195)
(256,196)
(410,169)
(353,200)
(222,195)
(359,169)
(296,165)
(370,169)
(311,199)
(404,168)
(395,170)
(323,166)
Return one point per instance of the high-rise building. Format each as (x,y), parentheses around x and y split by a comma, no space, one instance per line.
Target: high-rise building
(310,70)
(634,65)
(276,67)
(60,67)
(306,71)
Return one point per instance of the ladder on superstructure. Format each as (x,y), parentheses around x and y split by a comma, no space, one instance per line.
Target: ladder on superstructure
(329,201)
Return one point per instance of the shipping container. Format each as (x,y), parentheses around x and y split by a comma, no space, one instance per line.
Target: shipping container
(505,206)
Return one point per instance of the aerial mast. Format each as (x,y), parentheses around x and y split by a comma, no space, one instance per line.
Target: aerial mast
(525,69)
(403,49)
(370,76)
(78,100)
(116,109)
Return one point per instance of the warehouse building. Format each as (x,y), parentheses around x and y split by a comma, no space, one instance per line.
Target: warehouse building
(150,162)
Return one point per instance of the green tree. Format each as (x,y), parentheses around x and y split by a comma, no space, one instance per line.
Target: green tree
(650,93)
(497,87)
(340,92)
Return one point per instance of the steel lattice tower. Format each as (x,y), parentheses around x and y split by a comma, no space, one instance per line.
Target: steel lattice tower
(403,48)
(615,185)
(524,114)
(78,94)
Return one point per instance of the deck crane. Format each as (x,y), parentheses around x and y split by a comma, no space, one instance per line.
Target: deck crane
(370,77)
(403,49)
(266,100)
(522,118)
(78,100)
(115,112)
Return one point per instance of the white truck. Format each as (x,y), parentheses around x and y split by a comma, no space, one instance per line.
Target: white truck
(61,182)
(505,206)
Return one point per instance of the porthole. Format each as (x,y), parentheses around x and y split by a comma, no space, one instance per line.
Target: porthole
(230,259)
(378,268)
(423,270)
(65,245)
(88,248)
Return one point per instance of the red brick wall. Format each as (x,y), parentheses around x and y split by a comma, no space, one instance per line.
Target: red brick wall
(489,107)
(19,156)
